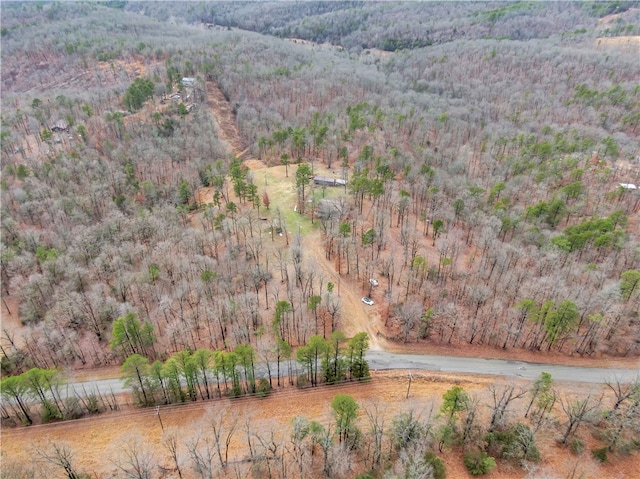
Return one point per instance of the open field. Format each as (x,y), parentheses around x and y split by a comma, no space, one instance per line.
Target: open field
(99,441)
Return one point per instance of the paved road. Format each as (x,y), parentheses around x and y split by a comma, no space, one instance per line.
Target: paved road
(382,360)
(496,367)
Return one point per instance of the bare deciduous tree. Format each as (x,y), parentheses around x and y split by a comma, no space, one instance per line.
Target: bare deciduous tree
(269,453)
(623,390)
(201,451)
(135,459)
(170,442)
(577,411)
(502,398)
(374,447)
(223,423)
(61,455)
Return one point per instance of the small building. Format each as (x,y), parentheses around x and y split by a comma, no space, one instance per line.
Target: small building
(60,126)
(325,181)
(188,82)
(628,186)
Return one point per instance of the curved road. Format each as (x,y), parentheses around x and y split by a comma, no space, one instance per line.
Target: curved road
(382,360)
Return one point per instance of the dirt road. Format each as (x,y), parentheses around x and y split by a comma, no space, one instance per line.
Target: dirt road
(356,316)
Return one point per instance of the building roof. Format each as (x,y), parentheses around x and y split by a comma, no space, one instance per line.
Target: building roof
(329,181)
(60,125)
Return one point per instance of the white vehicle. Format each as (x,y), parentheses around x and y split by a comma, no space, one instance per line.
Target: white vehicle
(368,301)
(374,282)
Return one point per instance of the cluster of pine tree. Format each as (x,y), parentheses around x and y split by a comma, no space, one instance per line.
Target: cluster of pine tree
(205,374)
(137,94)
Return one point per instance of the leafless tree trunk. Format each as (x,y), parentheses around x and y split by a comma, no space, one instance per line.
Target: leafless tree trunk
(470,427)
(502,397)
(59,454)
(377,432)
(269,454)
(577,411)
(170,441)
(136,461)
(223,424)
(201,451)
(623,391)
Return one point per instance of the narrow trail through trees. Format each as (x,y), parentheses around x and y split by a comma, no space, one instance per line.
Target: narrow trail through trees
(223,112)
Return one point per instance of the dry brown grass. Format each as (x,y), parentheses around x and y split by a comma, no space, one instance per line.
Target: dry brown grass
(630,44)
(97,441)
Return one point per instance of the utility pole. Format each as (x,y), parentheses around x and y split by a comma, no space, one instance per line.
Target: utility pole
(409,386)
(160,419)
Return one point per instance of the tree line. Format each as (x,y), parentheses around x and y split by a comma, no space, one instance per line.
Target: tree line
(187,375)
(364,439)
(342,23)
(204,374)
(48,391)
(435,204)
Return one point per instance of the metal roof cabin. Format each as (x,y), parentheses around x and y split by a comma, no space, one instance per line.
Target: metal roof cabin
(325,181)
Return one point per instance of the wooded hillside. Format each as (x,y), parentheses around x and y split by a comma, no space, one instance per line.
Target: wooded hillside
(488,181)
(189,188)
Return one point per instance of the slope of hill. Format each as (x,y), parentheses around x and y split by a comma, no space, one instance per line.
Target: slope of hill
(489,160)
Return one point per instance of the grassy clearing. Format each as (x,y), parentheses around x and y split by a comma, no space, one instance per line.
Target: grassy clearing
(282,193)
(283,196)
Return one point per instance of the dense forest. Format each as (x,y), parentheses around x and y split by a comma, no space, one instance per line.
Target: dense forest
(488,150)
(483,183)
